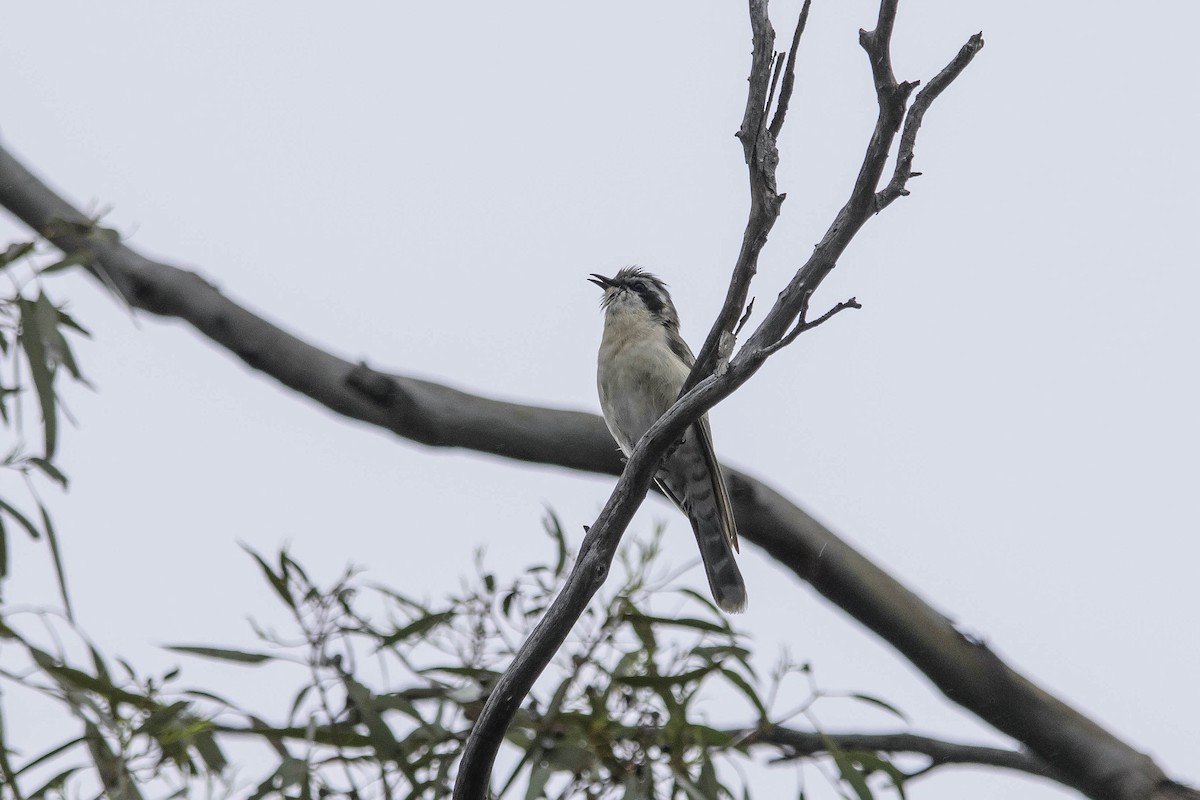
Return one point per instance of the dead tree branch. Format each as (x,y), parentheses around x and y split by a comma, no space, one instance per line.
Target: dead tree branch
(762,156)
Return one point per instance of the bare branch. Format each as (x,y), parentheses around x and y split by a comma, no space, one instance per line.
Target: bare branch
(745,317)
(802,324)
(789,74)
(758,147)
(916,114)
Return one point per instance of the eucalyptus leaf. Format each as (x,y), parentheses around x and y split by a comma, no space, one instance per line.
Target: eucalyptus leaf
(221,653)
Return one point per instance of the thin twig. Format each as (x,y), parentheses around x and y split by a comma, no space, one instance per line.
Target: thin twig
(745,318)
(916,114)
(761,155)
(776,70)
(803,324)
(789,74)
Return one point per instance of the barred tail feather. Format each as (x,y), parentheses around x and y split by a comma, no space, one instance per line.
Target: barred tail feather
(724,577)
(692,478)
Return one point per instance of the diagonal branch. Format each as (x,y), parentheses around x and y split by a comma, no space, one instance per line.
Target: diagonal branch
(916,115)
(789,74)
(762,155)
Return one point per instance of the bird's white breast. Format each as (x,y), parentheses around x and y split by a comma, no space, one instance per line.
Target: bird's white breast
(638,375)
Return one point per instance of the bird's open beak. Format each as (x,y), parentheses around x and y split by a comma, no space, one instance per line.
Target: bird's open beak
(601,281)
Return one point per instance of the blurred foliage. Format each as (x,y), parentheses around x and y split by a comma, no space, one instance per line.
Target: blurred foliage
(35,349)
(388,687)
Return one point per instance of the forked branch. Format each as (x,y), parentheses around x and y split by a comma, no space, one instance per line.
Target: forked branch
(706,385)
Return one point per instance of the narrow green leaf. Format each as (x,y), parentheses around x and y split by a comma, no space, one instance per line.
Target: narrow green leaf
(704,601)
(206,745)
(848,768)
(278,582)
(208,696)
(52,472)
(748,690)
(6,770)
(716,652)
(685,622)
(3,552)
(300,696)
(98,663)
(484,676)
(72,260)
(397,701)
(532,753)
(554,529)
(381,735)
(708,782)
(56,556)
(275,741)
(55,784)
(875,701)
(560,694)
(49,754)
(661,682)
(21,519)
(220,653)
(871,762)
(417,627)
(708,736)
(76,679)
(33,343)
(65,356)
(538,778)
(287,565)
(163,718)
(67,320)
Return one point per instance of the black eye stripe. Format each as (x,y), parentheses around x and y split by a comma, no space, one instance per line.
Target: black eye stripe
(650,297)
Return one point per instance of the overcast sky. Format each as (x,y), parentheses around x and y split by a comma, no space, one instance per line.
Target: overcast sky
(1008,425)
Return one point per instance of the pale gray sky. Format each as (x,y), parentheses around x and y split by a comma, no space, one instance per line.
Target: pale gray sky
(1009,424)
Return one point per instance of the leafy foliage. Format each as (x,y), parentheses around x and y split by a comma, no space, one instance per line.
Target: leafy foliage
(35,349)
(390,686)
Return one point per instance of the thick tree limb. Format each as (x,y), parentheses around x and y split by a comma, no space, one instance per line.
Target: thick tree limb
(965,670)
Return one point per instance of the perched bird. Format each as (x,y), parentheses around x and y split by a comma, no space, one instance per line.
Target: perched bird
(642,366)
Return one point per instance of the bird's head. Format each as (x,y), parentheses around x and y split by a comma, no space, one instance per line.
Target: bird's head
(635,291)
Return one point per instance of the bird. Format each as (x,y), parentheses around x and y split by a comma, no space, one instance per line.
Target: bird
(642,365)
